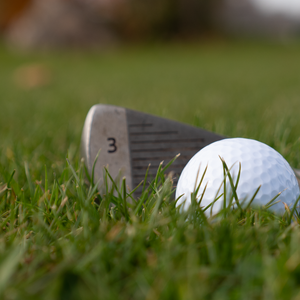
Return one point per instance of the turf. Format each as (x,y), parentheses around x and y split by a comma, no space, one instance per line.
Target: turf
(60,239)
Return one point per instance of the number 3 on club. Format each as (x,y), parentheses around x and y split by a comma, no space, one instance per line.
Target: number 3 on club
(112,145)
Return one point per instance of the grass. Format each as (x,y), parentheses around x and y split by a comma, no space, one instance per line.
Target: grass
(60,239)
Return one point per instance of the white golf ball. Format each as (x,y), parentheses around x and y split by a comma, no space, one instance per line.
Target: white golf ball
(260,165)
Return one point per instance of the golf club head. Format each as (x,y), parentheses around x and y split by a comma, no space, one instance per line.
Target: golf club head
(129,141)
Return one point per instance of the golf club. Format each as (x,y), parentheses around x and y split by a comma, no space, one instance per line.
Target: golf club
(129,141)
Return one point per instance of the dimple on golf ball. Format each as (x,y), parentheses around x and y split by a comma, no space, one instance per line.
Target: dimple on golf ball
(261,165)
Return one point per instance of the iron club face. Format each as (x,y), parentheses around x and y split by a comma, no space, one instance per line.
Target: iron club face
(129,141)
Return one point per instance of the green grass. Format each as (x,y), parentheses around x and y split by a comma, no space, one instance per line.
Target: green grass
(62,240)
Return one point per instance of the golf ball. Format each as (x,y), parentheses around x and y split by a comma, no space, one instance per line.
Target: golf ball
(260,164)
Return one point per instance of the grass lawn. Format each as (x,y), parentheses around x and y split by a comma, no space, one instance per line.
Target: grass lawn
(62,240)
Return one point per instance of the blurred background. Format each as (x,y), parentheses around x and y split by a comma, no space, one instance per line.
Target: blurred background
(229,66)
(45,24)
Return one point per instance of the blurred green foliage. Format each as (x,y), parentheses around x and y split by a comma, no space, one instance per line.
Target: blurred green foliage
(167,18)
(129,19)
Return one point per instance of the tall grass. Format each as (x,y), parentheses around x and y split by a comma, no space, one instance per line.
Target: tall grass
(61,239)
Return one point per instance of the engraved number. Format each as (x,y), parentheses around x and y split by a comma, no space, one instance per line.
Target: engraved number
(113,145)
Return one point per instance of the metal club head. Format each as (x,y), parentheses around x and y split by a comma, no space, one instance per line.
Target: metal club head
(129,141)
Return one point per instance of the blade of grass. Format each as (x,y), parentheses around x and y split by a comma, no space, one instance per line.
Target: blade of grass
(293,210)
(94,165)
(231,184)
(253,197)
(30,184)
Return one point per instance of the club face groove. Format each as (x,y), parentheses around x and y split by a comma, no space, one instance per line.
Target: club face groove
(129,141)
(153,139)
